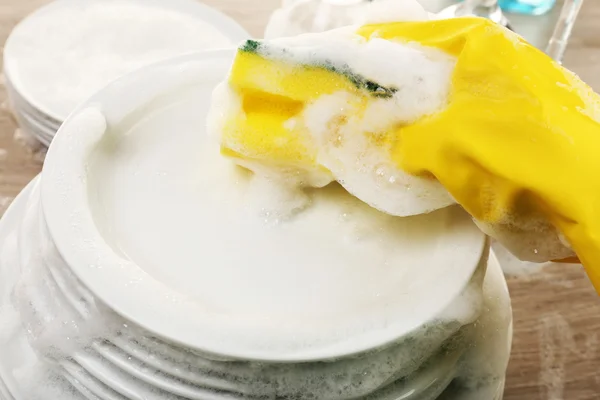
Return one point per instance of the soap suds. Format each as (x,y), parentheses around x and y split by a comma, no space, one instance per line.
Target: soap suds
(347,131)
(529,239)
(304,16)
(350,135)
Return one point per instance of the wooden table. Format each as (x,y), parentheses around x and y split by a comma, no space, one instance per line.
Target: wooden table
(556,351)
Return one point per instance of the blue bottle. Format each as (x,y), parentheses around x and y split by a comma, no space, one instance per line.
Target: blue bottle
(529,7)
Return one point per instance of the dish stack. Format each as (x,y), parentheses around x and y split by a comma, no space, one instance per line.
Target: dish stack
(64,52)
(83,321)
(75,348)
(32,119)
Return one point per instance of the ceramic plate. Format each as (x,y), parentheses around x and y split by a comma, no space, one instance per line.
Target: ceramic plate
(166,105)
(9,225)
(26,85)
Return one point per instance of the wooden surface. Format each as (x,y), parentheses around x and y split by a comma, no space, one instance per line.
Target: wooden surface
(556,351)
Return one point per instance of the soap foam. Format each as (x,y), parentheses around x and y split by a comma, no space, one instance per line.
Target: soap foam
(58,313)
(303,16)
(347,133)
(40,381)
(384,11)
(350,138)
(530,238)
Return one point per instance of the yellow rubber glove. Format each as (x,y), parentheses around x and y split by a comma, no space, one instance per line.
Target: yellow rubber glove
(519,131)
(519,137)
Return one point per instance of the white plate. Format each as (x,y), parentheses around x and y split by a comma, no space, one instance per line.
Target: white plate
(88,382)
(160,369)
(87,385)
(43,134)
(23,106)
(130,380)
(18,45)
(197,371)
(9,225)
(178,91)
(35,126)
(123,373)
(39,120)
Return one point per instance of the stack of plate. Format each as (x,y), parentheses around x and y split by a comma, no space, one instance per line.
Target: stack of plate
(131,363)
(82,321)
(32,119)
(127,362)
(64,52)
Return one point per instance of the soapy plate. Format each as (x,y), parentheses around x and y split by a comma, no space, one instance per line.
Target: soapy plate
(166,105)
(9,225)
(226,25)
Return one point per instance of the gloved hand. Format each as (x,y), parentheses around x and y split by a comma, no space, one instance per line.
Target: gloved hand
(516,141)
